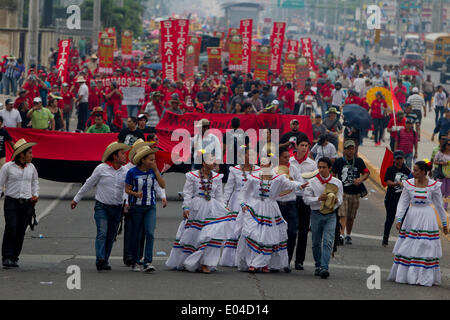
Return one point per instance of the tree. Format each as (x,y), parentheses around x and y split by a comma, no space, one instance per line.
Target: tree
(127,18)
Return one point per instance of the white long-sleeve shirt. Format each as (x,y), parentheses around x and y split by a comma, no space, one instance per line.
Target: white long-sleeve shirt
(193,188)
(110,185)
(315,189)
(308,165)
(19,183)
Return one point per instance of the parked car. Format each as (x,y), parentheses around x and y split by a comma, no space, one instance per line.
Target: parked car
(445,71)
(412,59)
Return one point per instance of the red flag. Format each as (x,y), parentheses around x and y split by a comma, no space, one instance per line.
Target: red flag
(388,160)
(396,106)
(63,59)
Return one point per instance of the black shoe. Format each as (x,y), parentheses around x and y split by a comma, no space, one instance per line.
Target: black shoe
(341,240)
(106,266)
(128,262)
(324,274)
(287,269)
(9,263)
(385,242)
(299,266)
(317,272)
(99,264)
(348,240)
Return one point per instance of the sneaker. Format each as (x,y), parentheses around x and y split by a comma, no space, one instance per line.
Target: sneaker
(287,269)
(341,240)
(348,240)
(299,266)
(99,264)
(8,263)
(149,268)
(106,266)
(135,268)
(324,274)
(317,272)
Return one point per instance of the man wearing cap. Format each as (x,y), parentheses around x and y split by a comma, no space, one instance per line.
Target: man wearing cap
(289,139)
(407,141)
(418,103)
(11,117)
(83,104)
(394,127)
(109,180)
(333,125)
(205,143)
(41,118)
(142,124)
(174,104)
(20,180)
(352,171)
(394,177)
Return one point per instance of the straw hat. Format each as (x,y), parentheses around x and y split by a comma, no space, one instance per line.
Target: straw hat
(203,123)
(94,56)
(330,191)
(310,175)
(81,79)
(113,147)
(139,143)
(98,110)
(21,146)
(142,153)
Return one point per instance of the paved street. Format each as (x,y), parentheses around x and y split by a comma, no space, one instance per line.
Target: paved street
(68,239)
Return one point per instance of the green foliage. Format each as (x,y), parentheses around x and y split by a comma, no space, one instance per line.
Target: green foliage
(127,18)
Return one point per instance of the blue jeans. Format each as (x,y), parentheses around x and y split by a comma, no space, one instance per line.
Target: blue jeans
(408,160)
(9,83)
(143,217)
(132,111)
(289,212)
(107,219)
(323,227)
(439,113)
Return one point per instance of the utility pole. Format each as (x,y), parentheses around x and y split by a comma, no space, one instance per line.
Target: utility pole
(33,30)
(361,21)
(20,13)
(96,23)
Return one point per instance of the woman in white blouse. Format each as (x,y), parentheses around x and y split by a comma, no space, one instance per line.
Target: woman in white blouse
(20,179)
(109,178)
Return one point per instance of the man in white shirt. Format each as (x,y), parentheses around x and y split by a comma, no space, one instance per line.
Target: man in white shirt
(418,103)
(11,117)
(359,82)
(109,180)
(20,179)
(338,96)
(303,163)
(205,144)
(323,225)
(83,104)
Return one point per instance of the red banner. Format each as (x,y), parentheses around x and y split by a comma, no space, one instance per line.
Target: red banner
(293,46)
(289,67)
(235,63)
(168,49)
(262,63)
(106,55)
(222,122)
(302,73)
(112,34)
(63,59)
(276,43)
(182,29)
(255,50)
(220,35)
(215,60)
(307,52)
(196,41)
(127,44)
(124,81)
(231,32)
(246,30)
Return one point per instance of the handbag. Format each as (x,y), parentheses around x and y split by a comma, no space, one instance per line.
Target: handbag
(438,173)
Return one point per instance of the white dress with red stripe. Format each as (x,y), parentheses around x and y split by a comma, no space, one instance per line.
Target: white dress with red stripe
(418,249)
(200,237)
(263,240)
(235,183)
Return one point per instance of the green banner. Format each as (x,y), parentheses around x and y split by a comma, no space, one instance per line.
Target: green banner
(290,4)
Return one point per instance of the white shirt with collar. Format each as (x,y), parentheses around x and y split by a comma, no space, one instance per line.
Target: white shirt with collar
(110,185)
(308,165)
(11,118)
(83,91)
(20,183)
(315,189)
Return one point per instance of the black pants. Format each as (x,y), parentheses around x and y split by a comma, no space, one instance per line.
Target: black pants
(83,115)
(391,209)
(304,214)
(128,240)
(289,212)
(17,218)
(337,232)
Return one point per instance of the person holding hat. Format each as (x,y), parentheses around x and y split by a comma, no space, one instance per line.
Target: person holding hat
(394,177)
(407,141)
(333,125)
(11,116)
(19,179)
(53,106)
(352,172)
(83,104)
(324,195)
(41,118)
(141,184)
(109,180)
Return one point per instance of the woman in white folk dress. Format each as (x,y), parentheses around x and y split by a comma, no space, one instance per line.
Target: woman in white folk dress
(263,241)
(201,234)
(236,179)
(418,249)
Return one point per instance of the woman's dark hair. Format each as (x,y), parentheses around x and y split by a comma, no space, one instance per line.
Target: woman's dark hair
(423,166)
(444,145)
(325,160)
(235,123)
(24,152)
(111,157)
(322,139)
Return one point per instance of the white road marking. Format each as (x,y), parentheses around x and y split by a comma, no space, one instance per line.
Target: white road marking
(55,202)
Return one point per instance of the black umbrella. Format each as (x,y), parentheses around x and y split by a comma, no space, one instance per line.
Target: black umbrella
(357,117)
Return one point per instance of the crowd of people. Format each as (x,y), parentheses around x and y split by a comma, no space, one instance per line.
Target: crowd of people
(264,212)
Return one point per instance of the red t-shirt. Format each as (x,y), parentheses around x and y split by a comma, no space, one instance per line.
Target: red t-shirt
(401,97)
(289,97)
(353,100)
(33,91)
(326,90)
(95,98)
(376,109)
(399,124)
(18,101)
(115,99)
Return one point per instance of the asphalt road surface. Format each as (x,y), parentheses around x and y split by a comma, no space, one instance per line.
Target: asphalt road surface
(68,239)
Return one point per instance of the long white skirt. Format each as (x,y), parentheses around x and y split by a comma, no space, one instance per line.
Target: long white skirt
(228,258)
(263,241)
(199,239)
(418,249)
